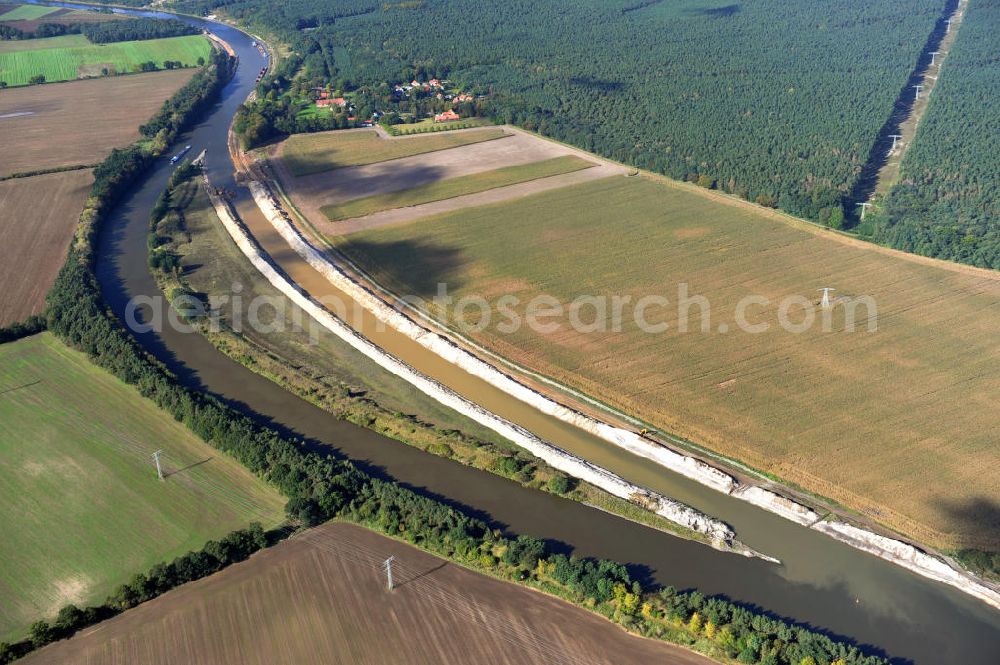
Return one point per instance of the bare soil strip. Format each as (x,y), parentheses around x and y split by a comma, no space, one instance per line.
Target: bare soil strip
(321,598)
(310,193)
(497,195)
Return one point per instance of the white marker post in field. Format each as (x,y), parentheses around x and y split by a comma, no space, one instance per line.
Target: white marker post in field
(388,572)
(159,469)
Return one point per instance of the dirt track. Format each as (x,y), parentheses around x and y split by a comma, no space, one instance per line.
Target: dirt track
(37,219)
(321,599)
(310,193)
(78,122)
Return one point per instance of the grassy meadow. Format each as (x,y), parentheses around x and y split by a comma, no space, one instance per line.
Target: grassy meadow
(27,13)
(452,187)
(306,154)
(72,56)
(82,510)
(899,424)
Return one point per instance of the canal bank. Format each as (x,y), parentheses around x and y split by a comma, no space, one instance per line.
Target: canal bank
(899,612)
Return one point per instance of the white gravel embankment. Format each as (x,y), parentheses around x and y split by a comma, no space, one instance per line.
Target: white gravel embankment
(892,550)
(719,533)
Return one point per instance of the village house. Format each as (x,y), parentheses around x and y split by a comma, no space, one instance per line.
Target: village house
(447,116)
(326,102)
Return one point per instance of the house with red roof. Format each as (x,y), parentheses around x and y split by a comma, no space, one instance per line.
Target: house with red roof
(447,116)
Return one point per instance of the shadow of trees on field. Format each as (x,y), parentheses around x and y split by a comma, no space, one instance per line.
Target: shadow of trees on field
(977,518)
(383,178)
(419,265)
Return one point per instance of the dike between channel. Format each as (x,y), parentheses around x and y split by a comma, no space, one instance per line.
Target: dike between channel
(719,534)
(890,549)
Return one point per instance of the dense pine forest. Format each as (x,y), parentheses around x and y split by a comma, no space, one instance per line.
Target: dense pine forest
(774,100)
(947,203)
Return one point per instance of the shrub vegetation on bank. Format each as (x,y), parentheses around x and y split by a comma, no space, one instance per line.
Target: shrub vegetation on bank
(320,487)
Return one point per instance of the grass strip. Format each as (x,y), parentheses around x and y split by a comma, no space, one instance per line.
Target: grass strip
(452,187)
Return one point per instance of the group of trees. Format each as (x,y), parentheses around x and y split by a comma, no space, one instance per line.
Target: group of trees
(947,201)
(320,486)
(104,32)
(9,32)
(134,29)
(681,91)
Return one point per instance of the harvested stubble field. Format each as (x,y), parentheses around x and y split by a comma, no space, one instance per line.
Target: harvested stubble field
(42,126)
(899,424)
(72,56)
(440,190)
(305,154)
(81,508)
(320,598)
(37,219)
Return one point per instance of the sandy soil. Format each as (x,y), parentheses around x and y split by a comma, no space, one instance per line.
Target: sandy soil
(37,219)
(78,122)
(321,598)
(310,193)
(497,195)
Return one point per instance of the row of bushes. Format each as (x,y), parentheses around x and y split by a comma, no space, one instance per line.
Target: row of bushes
(9,32)
(30,326)
(320,486)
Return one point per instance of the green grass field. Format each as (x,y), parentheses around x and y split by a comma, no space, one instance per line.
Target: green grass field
(66,41)
(70,57)
(428,125)
(830,411)
(28,13)
(306,154)
(81,509)
(448,189)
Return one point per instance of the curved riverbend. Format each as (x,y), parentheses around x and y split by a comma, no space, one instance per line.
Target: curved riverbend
(823,583)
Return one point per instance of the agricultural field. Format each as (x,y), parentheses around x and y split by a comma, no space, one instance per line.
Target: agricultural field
(37,218)
(446,179)
(321,598)
(947,201)
(67,58)
(828,411)
(58,16)
(305,154)
(27,12)
(82,510)
(446,189)
(40,128)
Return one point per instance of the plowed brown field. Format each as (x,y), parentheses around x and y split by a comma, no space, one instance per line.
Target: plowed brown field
(37,218)
(321,599)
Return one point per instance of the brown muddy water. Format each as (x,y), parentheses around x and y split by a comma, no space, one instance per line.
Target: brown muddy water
(821,583)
